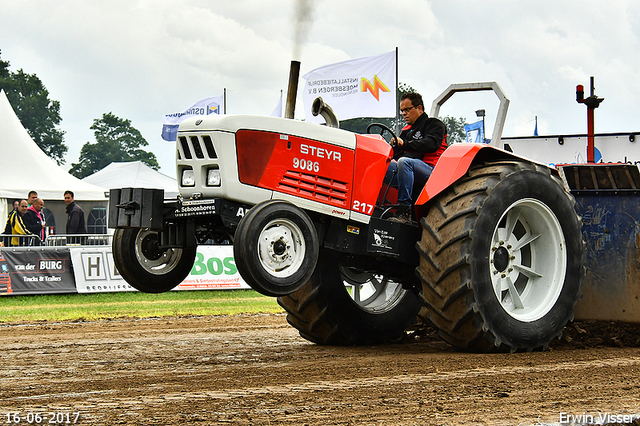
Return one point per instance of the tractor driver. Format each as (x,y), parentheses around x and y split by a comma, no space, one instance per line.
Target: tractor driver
(415,152)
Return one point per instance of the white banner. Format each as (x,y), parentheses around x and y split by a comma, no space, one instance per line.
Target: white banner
(213,269)
(170,123)
(364,87)
(277,111)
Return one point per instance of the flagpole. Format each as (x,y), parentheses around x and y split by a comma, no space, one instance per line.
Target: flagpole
(224,97)
(396,95)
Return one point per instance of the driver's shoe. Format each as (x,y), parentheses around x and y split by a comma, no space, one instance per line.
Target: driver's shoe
(402,214)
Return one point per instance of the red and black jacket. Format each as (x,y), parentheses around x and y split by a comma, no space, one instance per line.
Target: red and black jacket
(425,139)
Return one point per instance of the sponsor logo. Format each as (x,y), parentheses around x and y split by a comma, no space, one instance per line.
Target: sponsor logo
(214,265)
(213,108)
(375,88)
(51,265)
(383,239)
(195,208)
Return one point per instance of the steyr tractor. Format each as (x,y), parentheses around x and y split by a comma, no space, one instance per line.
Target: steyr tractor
(493,260)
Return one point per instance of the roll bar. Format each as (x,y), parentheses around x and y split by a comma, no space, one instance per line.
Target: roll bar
(475,87)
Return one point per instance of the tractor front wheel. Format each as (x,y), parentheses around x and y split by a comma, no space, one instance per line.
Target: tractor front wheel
(145,266)
(276,247)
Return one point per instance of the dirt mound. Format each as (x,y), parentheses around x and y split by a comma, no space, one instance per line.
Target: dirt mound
(592,334)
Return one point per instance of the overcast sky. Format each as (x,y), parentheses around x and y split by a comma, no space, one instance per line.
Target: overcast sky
(143,59)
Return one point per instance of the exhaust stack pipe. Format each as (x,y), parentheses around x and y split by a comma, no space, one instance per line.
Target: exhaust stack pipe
(319,107)
(292,92)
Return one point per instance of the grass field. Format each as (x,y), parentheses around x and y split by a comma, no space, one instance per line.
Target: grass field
(74,307)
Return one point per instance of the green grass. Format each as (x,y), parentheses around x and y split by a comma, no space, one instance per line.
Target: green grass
(73,307)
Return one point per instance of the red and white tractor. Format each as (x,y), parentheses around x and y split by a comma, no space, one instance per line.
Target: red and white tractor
(494,259)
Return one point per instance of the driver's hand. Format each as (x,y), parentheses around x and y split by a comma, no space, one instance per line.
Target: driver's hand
(398,142)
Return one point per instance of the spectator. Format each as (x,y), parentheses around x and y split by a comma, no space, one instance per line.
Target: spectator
(34,219)
(7,227)
(75,219)
(31,197)
(16,224)
(16,204)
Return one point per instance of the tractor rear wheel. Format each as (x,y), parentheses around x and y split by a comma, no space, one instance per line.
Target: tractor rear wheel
(342,305)
(501,258)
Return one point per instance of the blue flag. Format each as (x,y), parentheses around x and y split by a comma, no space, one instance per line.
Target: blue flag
(475,127)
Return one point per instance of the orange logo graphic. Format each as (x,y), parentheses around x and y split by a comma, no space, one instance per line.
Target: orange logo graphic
(373,88)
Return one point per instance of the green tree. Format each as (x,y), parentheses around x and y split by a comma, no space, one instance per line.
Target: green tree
(116,140)
(38,114)
(455,129)
(4,68)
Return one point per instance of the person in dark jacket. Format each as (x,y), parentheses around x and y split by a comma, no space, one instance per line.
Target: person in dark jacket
(34,219)
(75,215)
(416,152)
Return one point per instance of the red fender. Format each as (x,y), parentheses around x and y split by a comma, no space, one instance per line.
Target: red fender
(454,164)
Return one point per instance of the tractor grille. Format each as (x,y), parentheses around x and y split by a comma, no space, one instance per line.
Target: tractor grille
(196,147)
(328,191)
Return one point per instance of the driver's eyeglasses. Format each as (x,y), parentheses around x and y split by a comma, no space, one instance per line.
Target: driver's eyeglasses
(406,110)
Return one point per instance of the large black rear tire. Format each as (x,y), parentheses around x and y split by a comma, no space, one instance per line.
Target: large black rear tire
(341,305)
(501,258)
(144,266)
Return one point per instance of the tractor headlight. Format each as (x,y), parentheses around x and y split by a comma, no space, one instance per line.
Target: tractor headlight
(213,177)
(188,178)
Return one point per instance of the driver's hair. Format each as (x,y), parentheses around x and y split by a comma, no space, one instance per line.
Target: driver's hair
(415,98)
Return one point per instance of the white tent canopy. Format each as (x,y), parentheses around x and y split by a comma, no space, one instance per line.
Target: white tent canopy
(133,174)
(26,167)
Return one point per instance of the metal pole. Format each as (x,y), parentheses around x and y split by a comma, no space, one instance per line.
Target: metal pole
(292,91)
(591,146)
(397,100)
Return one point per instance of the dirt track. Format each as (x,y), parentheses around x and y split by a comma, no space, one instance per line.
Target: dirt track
(256,370)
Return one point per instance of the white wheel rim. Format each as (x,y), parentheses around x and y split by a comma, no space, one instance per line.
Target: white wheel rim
(160,266)
(528,260)
(372,292)
(281,248)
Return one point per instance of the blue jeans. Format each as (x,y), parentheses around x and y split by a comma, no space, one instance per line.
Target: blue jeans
(409,171)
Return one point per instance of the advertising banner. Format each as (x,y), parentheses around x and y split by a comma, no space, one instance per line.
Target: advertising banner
(36,272)
(207,106)
(364,87)
(95,271)
(214,269)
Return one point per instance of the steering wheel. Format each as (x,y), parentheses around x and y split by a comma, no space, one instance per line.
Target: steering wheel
(383,128)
